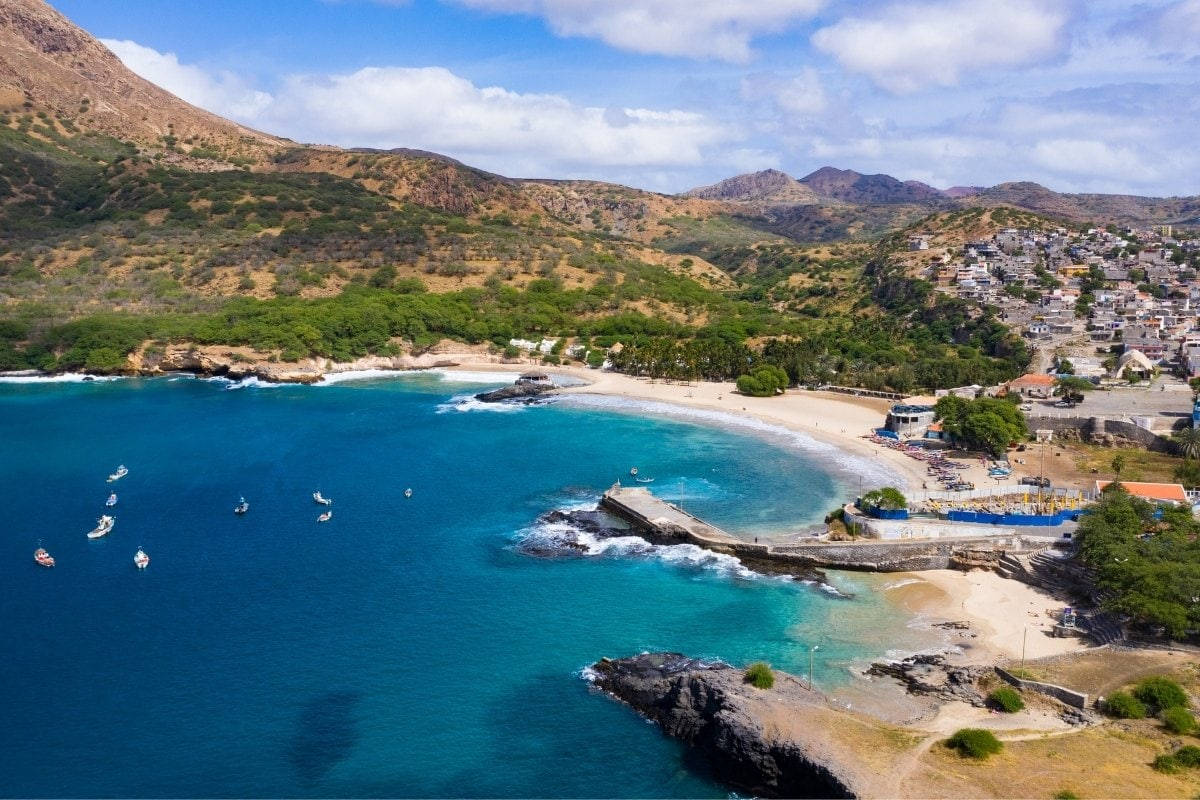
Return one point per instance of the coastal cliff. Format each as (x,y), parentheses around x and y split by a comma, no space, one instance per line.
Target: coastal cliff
(774,743)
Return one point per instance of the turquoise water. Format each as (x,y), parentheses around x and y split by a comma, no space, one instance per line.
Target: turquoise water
(406,647)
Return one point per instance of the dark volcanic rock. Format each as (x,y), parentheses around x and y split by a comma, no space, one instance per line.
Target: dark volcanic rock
(559,533)
(709,706)
(930,675)
(518,392)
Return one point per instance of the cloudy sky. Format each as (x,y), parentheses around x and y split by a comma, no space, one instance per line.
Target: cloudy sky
(1080,95)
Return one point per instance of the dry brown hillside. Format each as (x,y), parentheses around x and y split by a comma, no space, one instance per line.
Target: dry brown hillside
(49,64)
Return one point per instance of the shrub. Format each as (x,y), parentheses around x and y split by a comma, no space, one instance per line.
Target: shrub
(1188,755)
(974,743)
(1161,693)
(1006,699)
(1065,794)
(1178,720)
(1165,763)
(1124,706)
(759,674)
(764,381)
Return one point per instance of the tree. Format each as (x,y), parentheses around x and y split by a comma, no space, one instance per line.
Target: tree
(1066,367)
(986,423)
(1188,442)
(1072,388)
(763,381)
(1118,464)
(888,498)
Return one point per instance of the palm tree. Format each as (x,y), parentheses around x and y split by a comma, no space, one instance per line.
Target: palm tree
(1188,441)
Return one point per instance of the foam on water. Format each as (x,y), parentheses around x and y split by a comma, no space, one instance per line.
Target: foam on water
(66,377)
(468,402)
(847,463)
(450,375)
(252,382)
(904,582)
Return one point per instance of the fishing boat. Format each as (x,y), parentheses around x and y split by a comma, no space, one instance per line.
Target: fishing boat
(242,507)
(103,526)
(120,473)
(328,515)
(42,557)
(633,471)
(112,500)
(645,480)
(408,492)
(317,497)
(141,560)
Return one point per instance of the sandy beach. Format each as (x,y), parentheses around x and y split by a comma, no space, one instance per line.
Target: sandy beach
(1007,616)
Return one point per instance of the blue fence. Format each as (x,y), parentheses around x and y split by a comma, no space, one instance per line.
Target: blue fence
(1044,520)
(887,513)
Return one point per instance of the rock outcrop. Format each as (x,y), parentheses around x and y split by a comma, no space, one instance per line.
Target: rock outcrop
(519,393)
(759,741)
(932,676)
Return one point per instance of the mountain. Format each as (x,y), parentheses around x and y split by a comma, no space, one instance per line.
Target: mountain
(848,186)
(49,65)
(768,187)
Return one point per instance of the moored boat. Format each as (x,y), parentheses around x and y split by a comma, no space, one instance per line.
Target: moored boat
(633,471)
(325,517)
(319,498)
(112,500)
(42,557)
(103,526)
(120,473)
(242,507)
(645,480)
(408,492)
(141,560)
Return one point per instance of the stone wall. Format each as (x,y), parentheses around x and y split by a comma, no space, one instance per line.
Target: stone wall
(1060,693)
(1100,431)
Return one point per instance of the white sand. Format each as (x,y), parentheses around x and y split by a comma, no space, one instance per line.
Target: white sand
(1008,615)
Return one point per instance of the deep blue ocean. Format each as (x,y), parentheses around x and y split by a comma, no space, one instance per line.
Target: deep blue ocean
(405,648)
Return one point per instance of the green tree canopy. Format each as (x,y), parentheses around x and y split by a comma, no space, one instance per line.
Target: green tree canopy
(986,423)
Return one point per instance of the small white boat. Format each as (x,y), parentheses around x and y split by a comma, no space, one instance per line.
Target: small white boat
(112,500)
(328,515)
(633,471)
(408,492)
(645,480)
(42,557)
(141,560)
(120,473)
(242,507)
(103,526)
(317,497)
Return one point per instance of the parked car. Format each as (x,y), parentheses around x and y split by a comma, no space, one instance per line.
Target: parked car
(1027,406)
(1034,480)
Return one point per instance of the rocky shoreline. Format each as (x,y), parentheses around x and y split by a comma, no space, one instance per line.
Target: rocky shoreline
(708,706)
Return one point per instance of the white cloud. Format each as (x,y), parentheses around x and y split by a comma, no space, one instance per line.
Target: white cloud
(720,29)
(796,94)
(431,108)
(906,47)
(223,92)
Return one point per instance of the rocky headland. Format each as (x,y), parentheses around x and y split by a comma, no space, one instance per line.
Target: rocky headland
(781,742)
(524,393)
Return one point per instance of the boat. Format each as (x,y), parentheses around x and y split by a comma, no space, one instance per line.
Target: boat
(317,497)
(633,471)
(120,473)
(112,500)
(42,557)
(645,480)
(408,492)
(141,560)
(328,515)
(103,526)
(242,507)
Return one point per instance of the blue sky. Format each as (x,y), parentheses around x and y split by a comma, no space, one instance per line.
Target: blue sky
(670,94)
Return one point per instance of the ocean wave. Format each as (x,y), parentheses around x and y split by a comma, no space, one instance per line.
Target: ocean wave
(565,538)
(468,402)
(848,464)
(66,377)
(904,582)
(252,382)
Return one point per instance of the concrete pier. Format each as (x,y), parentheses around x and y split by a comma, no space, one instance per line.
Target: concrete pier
(664,523)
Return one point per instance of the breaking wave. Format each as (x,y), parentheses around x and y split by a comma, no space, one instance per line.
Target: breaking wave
(468,402)
(66,377)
